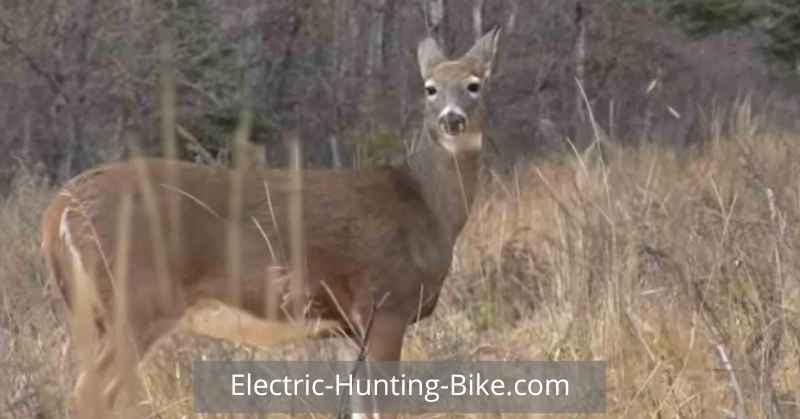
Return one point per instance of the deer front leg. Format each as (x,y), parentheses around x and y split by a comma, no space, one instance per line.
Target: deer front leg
(385,339)
(384,343)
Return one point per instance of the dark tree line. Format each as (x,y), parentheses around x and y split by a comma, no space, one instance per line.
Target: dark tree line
(777,21)
(82,81)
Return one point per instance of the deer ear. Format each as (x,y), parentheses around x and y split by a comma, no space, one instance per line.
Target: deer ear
(485,50)
(429,55)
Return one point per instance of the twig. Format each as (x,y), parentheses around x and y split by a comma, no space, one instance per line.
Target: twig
(595,127)
(718,339)
(726,364)
(197,145)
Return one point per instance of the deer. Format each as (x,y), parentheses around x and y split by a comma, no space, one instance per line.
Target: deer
(377,242)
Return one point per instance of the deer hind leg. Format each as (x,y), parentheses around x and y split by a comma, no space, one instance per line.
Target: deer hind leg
(139,320)
(105,384)
(76,272)
(90,392)
(103,371)
(95,346)
(107,377)
(146,321)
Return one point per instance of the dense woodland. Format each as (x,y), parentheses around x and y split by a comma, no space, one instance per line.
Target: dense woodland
(81,81)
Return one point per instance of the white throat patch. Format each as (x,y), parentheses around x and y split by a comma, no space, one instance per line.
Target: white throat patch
(462,143)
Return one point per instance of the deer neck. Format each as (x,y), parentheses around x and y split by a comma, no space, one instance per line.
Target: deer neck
(446,181)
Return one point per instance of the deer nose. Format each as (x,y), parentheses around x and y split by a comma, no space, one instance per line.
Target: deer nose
(453,123)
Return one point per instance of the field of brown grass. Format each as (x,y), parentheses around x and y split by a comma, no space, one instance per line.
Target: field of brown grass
(680,271)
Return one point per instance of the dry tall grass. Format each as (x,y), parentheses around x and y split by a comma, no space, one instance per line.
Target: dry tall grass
(679,271)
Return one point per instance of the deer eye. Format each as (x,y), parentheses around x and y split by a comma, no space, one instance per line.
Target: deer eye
(474,87)
(430,90)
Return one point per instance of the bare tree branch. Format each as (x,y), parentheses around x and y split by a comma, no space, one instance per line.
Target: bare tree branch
(16,46)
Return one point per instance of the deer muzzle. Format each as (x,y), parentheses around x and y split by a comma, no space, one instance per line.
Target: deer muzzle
(453,123)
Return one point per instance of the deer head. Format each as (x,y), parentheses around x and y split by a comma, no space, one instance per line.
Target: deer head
(454,106)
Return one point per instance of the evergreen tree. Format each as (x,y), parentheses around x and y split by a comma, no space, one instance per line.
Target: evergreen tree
(783,32)
(777,20)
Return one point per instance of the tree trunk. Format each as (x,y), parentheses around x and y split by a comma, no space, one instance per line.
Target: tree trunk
(376,38)
(512,17)
(336,156)
(580,60)
(434,11)
(76,53)
(477,18)
(250,50)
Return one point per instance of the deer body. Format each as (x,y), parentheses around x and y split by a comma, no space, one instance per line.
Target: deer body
(378,237)
(361,218)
